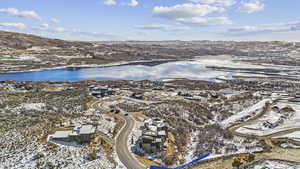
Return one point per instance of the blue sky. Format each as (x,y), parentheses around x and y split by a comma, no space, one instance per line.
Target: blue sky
(154,19)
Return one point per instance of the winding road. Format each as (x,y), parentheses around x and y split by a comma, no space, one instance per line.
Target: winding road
(122,148)
(130,162)
(121,140)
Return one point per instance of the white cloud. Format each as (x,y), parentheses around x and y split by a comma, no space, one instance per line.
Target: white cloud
(13,25)
(55,20)
(133,3)
(192,14)
(296,27)
(216,2)
(208,21)
(19,13)
(251,7)
(185,11)
(163,27)
(109,2)
(60,30)
(44,26)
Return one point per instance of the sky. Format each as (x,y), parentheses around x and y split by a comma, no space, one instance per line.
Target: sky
(98,20)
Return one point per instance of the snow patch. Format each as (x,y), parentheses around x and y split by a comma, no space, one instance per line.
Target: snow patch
(247,112)
(34,106)
(290,123)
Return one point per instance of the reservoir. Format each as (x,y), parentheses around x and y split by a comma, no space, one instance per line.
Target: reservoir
(200,68)
(195,70)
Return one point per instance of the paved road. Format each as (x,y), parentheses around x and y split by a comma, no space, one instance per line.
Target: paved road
(121,140)
(121,145)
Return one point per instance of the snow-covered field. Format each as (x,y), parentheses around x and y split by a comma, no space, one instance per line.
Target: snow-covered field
(192,147)
(37,155)
(260,130)
(34,106)
(22,57)
(242,147)
(276,165)
(106,125)
(101,163)
(253,110)
(289,145)
(294,136)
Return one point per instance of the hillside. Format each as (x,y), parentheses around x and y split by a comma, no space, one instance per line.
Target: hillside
(23,52)
(25,41)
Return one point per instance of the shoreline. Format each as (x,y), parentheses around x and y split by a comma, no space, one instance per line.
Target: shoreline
(87,66)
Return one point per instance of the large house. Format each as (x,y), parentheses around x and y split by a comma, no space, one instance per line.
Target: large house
(101,91)
(153,136)
(80,134)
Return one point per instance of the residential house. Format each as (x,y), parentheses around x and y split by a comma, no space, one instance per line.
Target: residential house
(153,136)
(79,134)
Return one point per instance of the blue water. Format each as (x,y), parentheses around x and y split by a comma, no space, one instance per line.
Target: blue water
(182,69)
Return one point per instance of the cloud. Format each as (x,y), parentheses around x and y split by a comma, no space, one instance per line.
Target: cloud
(94,34)
(133,3)
(185,11)
(44,26)
(109,2)
(296,27)
(20,26)
(251,7)
(208,21)
(163,27)
(216,2)
(266,28)
(19,13)
(60,30)
(55,20)
(192,14)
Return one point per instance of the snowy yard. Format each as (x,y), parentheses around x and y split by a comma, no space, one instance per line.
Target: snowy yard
(36,155)
(276,165)
(294,136)
(34,106)
(106,125)
(259,129)
(242,146)
(253,110)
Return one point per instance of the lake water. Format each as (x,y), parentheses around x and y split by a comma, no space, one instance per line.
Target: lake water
(181,69)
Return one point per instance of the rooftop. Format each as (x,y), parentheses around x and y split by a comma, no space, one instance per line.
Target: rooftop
(78,130)
(62,134)
(87,129)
